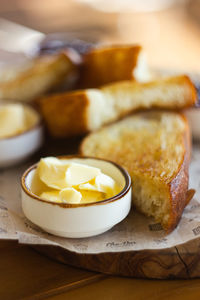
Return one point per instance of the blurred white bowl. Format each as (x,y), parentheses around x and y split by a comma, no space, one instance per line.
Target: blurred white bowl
(78,220)
(15,149)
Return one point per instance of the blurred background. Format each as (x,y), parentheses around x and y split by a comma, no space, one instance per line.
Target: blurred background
(169,30)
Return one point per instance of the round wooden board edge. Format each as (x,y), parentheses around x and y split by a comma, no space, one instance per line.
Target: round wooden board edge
(179,262)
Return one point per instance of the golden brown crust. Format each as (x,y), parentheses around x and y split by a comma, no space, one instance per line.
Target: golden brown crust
(191,87)
(43,74)
(178,187)
(73,104)
(193,90)
(164,84)
(108,64)
(65,114)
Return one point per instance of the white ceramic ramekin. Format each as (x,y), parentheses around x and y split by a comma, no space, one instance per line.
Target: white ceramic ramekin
(193,116)
(17,148)
(78,220)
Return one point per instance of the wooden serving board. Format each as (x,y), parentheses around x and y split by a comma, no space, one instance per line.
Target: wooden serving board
(182,261)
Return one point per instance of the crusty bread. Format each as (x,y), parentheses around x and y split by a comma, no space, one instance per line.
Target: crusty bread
(155,148)
(35,77)
(79,112)
(113,63)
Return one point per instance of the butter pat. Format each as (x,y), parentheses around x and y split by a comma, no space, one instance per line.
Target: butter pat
(15,119)
(104,183)
(78,174)
(51,196)
(65,181)
(89,196)
(52,172)
(70,195)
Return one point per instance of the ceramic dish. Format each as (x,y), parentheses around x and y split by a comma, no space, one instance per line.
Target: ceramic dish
(15,149)
(78,220)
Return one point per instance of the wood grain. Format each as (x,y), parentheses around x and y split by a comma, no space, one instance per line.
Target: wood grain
(117,288)
(25,274)
(176,262)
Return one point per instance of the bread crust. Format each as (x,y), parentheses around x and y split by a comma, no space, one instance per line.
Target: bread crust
(109,64)
(193,91)
(44,73)
(178,186)
(76,102)
(132,87)
(65,115)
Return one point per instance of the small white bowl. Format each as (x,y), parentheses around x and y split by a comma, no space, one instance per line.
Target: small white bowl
(15,149)
(193,116)
(78,220)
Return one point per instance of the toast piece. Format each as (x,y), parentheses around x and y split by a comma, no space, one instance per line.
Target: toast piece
(34,78)
(79,112)
(115,63)
(155,149)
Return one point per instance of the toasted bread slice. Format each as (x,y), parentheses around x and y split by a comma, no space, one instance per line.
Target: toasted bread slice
(155,148)
(115,63)
(79,112)
(34,78)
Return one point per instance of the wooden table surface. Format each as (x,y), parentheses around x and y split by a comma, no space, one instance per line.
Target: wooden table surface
(171,39)
(26,274)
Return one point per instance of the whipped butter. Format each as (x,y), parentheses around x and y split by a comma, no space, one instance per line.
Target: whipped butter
(15,119)
(66,181)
